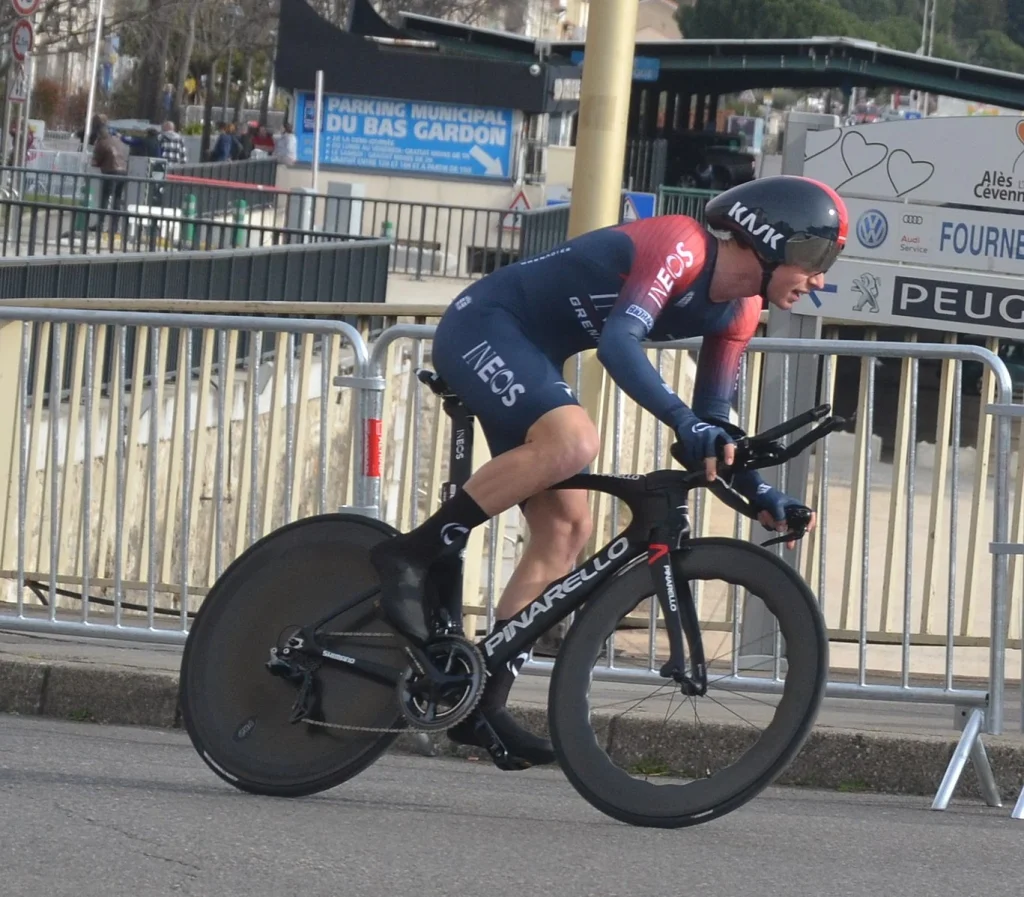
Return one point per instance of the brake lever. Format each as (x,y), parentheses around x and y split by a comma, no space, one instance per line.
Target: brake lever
(798,518)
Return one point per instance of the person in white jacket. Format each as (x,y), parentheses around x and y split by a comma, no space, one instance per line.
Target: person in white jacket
(285,145)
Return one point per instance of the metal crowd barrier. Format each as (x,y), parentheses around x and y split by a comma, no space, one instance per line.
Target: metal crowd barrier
(261,439)
(879,615)
(143,484)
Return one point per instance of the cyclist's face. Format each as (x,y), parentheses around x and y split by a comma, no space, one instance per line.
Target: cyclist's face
(789,283)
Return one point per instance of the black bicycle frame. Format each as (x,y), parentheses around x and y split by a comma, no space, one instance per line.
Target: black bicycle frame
(659,527)
(660,524)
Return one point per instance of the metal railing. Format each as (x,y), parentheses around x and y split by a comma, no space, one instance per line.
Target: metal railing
(134,493)
(52,229)
(245,171)
(543,230)
(888,588)
(645,164)
(683,201)
(106,490)
(324,272)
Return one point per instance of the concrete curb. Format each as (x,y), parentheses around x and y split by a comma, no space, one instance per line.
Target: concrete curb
(837,759)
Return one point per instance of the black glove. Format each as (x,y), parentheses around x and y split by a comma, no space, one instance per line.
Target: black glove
(701,440)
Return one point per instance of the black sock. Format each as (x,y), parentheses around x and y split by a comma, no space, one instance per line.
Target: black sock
(501,682)
(446,529)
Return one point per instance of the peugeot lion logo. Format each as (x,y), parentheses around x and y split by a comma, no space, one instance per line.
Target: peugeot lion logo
(869,286)
(872,229)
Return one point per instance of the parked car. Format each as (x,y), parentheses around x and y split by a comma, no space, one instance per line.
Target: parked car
(1012,355)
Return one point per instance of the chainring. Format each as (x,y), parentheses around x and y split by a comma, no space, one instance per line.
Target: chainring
(431,709)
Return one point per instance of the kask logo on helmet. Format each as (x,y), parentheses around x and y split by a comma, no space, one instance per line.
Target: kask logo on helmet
(749,222)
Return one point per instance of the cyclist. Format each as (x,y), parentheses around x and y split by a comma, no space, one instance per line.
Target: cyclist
(501,347)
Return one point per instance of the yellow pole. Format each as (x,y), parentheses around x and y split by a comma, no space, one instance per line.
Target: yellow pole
(601,152)
(604,114)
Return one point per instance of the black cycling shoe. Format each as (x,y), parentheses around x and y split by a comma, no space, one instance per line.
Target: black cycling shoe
(522,746)
(402,595)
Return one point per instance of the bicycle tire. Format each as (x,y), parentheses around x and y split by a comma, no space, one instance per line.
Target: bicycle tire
(586,763)
(236,712)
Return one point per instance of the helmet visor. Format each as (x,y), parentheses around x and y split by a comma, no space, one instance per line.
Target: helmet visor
(815,255)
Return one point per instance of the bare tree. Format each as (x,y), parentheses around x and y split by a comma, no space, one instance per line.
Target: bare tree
(466,12)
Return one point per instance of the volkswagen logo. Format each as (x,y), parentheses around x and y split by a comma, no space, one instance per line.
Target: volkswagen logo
(872,229)
(913,219)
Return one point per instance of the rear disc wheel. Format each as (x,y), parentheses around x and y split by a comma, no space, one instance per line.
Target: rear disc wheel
(238,715)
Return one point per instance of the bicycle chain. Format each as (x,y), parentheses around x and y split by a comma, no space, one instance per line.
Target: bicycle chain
(377,729)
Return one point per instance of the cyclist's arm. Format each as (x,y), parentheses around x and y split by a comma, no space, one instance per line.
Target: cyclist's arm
(718,366)
(623,356)
(649,288)
(718,362)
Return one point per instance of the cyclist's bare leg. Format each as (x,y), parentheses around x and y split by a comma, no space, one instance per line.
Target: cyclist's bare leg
(558,445)
(560,525)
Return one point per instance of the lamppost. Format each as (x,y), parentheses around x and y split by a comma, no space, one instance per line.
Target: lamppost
(233,12)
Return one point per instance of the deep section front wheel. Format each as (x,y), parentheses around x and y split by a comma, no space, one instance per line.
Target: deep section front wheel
(647,755)
(238,714)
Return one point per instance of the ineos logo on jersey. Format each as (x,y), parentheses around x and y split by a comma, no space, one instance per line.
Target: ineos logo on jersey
(744,217)
(460,444)
(490,367)
(451,531)
(669,273)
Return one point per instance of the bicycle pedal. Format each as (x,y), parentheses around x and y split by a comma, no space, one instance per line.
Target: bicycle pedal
(496,749)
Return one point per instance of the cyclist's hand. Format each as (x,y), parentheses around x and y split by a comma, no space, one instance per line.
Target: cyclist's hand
(772,506)
(706,444)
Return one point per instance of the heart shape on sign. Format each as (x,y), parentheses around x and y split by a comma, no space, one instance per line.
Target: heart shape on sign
(905,174)
(836,138)
(1020,130)
(859,156)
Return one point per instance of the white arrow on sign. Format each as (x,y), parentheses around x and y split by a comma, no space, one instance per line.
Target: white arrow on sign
(22,37)
(25,7)
(491,165)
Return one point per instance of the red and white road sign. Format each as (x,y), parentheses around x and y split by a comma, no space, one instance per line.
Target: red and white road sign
(22,39)
(18,84)
(25,7)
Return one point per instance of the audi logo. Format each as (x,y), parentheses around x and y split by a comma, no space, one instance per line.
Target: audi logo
(913,219)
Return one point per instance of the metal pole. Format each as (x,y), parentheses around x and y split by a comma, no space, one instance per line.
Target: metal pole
(26,111)
(7,122)
(92,79)
(317,126)
(603,116)
(227,73)
(600,152)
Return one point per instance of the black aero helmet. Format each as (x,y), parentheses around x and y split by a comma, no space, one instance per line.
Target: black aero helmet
(785,220)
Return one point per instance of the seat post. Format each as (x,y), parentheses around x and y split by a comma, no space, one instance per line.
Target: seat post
(460,454)
(447,571)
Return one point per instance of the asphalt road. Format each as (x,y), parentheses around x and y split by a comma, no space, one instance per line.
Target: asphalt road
(105,811)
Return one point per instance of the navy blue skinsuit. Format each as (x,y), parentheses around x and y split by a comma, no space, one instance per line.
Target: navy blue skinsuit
(502,343)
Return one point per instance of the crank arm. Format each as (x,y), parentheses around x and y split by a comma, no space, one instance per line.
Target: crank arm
(378,672)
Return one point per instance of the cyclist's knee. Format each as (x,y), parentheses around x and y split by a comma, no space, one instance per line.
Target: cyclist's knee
(567,439)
